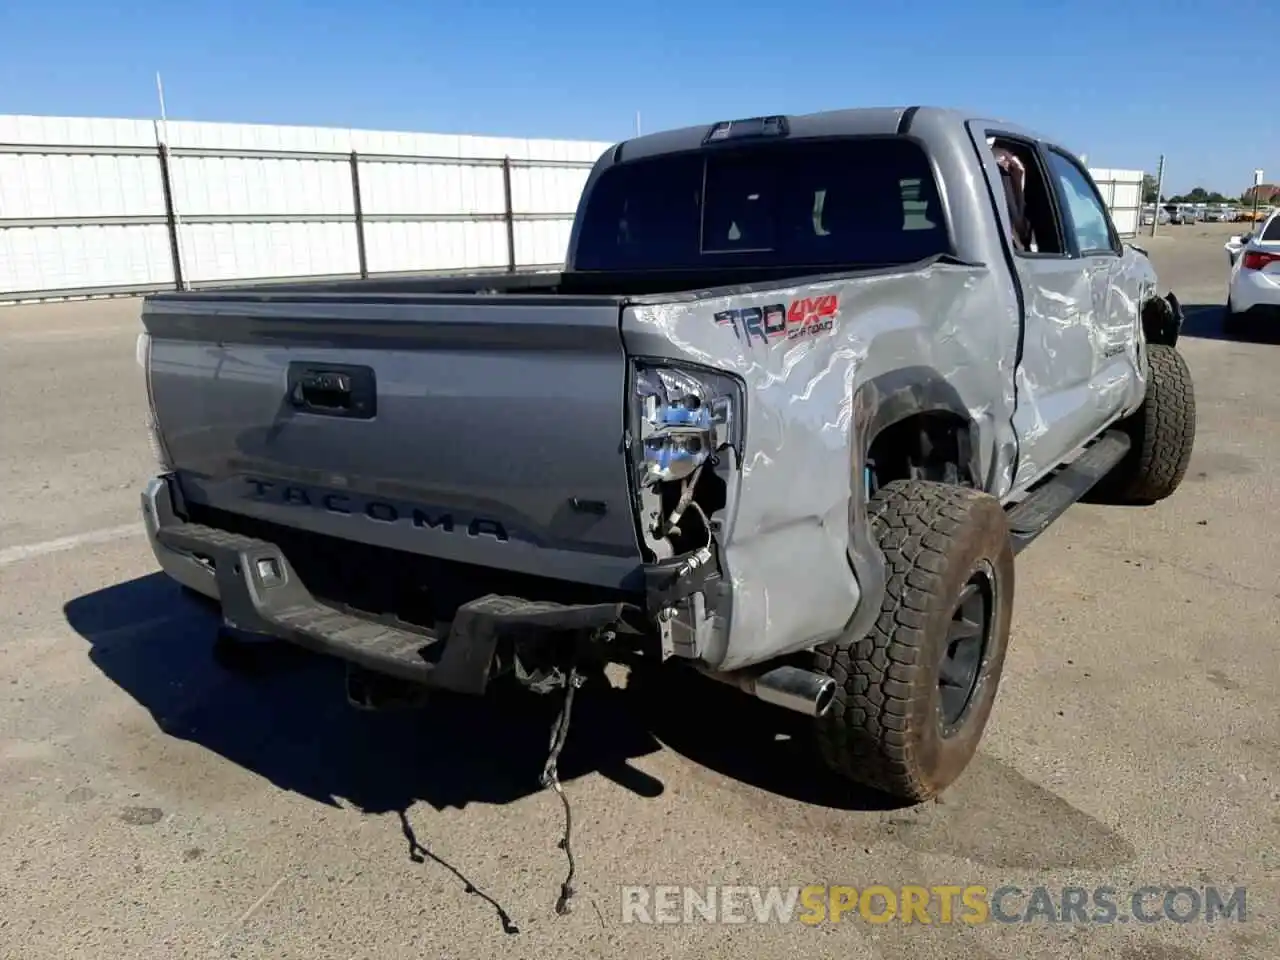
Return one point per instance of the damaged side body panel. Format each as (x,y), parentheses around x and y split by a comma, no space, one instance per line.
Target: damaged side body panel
(1082,361)
(1033,357)
(824,365)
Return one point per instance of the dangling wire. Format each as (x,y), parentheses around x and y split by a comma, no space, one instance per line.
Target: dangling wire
(551,778)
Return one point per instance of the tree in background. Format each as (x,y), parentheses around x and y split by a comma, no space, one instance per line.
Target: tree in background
(1200,195)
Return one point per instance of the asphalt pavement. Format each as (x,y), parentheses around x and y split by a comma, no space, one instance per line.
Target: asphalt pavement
(154,805)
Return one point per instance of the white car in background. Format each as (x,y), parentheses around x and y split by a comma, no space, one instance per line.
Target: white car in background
(1254,289)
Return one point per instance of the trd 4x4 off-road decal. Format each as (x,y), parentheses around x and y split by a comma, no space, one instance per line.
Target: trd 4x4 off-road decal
(807,317)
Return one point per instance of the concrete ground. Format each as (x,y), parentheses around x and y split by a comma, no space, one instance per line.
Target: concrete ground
(152,805)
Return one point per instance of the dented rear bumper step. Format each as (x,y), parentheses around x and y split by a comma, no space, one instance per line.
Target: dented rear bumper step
(262,594)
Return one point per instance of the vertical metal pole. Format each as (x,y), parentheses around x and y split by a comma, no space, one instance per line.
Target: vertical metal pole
(170,215)
(171,208)
(358,206)
(510,215)
(1155,214)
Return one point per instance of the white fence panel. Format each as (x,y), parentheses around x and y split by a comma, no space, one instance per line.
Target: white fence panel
(93,206)
(97,206)
(233,186)
(404,247)
(40,260)
(400,187)
(1122,191)
(225,252)
(543,242)
(34,185)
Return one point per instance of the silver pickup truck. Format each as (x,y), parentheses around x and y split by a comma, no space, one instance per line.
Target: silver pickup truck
(804,388)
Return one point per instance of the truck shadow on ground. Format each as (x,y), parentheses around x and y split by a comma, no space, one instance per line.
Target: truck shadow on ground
(1203,321)
(290,724)
(288,720)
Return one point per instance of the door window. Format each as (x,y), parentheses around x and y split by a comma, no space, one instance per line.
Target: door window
(1089,221)
(1039,234)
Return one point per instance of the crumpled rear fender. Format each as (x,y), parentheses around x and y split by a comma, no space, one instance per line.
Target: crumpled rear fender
(826,365)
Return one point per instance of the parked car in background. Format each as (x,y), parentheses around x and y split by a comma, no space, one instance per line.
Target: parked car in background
(1253,292)
(1152,213)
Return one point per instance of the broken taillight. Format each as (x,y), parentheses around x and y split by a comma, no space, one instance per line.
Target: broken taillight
(681,417)
(1258,260)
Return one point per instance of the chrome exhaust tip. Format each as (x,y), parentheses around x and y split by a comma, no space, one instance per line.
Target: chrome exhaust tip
(796,689)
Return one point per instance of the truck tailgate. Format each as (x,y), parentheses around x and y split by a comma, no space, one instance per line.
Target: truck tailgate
(483,430)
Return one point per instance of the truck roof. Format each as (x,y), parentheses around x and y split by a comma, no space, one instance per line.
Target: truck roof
(855,121)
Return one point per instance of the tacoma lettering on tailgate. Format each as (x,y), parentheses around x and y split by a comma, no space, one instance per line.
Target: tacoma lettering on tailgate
(379,510)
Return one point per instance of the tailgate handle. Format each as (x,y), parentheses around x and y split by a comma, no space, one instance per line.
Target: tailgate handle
(339,391)
(327,391)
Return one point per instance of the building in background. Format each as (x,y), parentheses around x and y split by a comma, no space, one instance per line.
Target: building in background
(1268,194)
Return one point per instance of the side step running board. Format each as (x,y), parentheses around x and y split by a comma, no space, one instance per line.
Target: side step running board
(1050,500)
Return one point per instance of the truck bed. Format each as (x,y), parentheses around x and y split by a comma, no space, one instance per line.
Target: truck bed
(598,286)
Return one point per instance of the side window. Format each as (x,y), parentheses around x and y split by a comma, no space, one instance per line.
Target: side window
(1089,221)
(1027,197)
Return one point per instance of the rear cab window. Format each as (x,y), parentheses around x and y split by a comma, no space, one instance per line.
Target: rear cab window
(1271,232)
(857,202)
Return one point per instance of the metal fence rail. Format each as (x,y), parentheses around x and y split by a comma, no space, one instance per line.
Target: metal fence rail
(355,214)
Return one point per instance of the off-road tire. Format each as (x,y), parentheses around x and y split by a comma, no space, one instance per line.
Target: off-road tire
(1162,434)
(886,728)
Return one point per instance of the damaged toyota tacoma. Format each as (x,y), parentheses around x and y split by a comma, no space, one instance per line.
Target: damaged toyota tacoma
(803,389)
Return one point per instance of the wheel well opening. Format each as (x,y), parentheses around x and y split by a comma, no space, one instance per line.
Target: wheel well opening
(934,445)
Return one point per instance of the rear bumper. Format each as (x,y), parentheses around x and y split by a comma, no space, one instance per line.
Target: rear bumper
(188,570)
(261,593)
(1256,294)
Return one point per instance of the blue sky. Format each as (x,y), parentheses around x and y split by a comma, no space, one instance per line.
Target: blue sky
(1120,81)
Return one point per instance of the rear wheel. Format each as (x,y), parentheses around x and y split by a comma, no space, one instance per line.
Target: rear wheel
(913,696)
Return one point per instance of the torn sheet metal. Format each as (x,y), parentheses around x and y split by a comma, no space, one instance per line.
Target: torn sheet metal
(1081,364)
(819,360)
(823,363)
